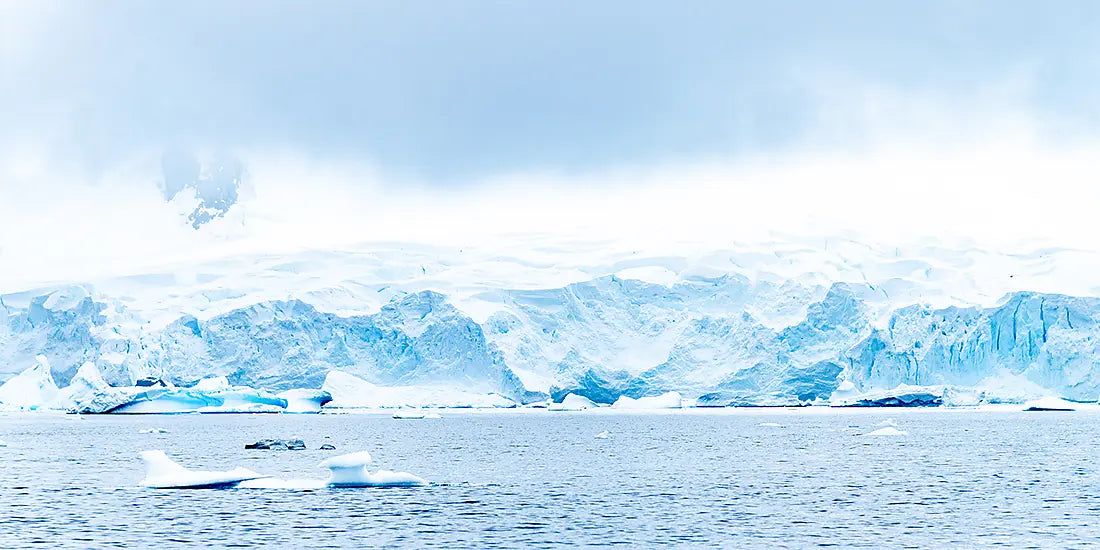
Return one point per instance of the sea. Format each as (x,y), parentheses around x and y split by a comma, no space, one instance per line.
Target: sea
(723,478)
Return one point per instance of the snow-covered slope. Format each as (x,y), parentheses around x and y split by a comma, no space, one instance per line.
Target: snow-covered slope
(784,323)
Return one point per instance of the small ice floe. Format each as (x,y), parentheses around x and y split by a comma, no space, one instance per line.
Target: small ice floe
(432,416)
(603,435)
(3,443)
(573,402)
(327,447)
(887,431)
(668,400)
(888,422)
(162,472)
(350,470)
(409,415)
(1050,404)
(153,431)
(770,425)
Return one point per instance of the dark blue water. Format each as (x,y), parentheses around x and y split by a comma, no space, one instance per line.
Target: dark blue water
(543,479)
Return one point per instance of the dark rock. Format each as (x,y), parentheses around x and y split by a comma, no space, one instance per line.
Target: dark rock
(278,445)
(327,447)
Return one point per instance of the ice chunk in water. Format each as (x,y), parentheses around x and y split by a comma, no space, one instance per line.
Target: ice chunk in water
(669,400)
(887,431)
(350,470)
(573,402)
(162,472)
(1050,404)
(603,435)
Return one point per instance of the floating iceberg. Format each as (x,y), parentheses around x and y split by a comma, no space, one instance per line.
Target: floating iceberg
(770,425)
(350,470)
(162,472)
(88,393)
(573,402)
(888,431)
(603,435)
(348,391)
(3,443)
(153,431)
(1051,404)
(305,401)
(213,395)
(669,400)
(31,389)
(901,396)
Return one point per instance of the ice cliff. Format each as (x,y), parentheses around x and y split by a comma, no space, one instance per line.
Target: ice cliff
(721,339)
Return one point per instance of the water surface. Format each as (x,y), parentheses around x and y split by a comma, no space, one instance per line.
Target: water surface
(543,479)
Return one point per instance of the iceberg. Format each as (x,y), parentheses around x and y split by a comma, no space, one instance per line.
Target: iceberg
(901,396)
(304,400)
(31,389)
(573,402)
(162,472)
(670,400)
(350,470)
(153,431)
(603,435)
(347,391)
(213,395)
(888,431)
(1051,404)
(88,393)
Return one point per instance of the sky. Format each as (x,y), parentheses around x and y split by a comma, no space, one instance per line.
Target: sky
(436,120)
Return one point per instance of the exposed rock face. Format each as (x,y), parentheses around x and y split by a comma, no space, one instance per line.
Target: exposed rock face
(278,445)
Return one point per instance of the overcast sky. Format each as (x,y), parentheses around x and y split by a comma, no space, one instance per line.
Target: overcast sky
(612,121)
(445,92)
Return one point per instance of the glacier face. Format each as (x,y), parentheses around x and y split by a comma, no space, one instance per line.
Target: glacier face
(723,339)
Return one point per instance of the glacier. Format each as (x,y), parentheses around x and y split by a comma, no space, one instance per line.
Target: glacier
(403,335)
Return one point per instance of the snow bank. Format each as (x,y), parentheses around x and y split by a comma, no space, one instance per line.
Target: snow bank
(670,400)
(347,391)
(31,389)
(162,472)
(573,402)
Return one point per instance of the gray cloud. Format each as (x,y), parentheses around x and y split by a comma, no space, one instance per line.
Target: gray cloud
(451,90)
